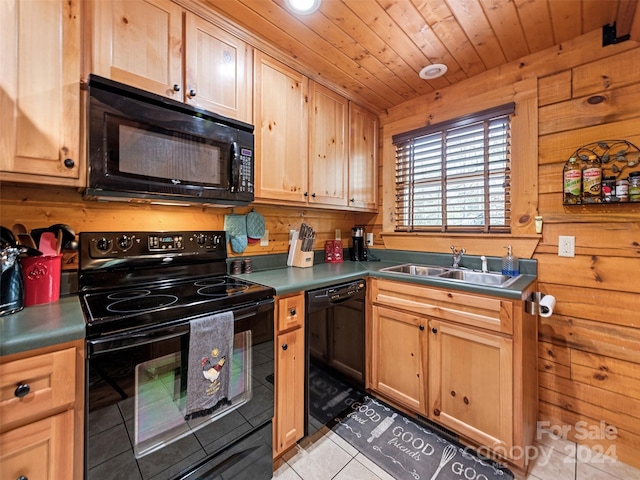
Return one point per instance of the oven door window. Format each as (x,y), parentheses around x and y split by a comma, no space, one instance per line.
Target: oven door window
(163,157)
(161,395)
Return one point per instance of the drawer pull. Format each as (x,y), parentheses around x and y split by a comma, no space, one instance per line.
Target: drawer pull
(292,312)
(22,477)
(21,391)
(285,346)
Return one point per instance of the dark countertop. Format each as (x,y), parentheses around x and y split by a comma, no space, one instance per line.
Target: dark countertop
(43,325)
(62,321)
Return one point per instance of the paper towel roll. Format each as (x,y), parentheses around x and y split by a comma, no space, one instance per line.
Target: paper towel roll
(546,305)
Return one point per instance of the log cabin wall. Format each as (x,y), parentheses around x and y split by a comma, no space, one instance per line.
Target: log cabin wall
(40,206)
(589,365)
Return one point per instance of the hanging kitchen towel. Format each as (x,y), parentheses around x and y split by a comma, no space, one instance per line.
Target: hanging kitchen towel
(255,227)
(209,367)
(236,228)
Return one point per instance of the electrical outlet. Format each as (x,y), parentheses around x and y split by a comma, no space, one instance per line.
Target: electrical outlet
(264,241)
(566,246)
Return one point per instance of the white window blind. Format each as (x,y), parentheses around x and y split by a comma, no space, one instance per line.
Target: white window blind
(456,176)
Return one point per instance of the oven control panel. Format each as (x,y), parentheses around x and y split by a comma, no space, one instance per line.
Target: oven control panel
(128,245)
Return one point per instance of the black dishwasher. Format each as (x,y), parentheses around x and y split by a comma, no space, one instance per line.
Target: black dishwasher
(334,350)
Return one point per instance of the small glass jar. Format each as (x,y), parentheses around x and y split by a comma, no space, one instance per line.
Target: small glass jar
(634,187)
(622,190)
(609,189)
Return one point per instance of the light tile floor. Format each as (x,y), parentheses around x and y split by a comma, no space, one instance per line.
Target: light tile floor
(326,456)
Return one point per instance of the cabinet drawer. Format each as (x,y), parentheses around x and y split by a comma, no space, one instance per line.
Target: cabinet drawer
(48,381)
(491,313)
(43,449)
(290,312)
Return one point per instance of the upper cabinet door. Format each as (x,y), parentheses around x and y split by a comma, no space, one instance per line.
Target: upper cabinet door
(139,43)
(281,116)
(40,92)
(363,159)
(218,70)
(328,166)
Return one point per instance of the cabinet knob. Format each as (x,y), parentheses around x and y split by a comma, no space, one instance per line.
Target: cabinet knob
(69,163)
(465,400)
(306,194)
(192,93)
(434,330)
(352,200)
(22,390)
(285,346)
(176,87)
(22,477)
(453,393)
(421,327)
(436,412)
(293,312)
(313,195)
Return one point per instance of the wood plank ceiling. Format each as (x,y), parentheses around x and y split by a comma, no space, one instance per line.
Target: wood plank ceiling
(374,49)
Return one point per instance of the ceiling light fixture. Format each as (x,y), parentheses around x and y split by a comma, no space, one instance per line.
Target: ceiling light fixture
(433,71)
(303,7)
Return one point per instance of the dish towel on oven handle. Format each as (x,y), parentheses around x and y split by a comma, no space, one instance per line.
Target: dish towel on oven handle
(209,367)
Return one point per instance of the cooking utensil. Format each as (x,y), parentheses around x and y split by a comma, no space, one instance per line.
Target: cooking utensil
(21,233)
(59,240)
(7,238)
(48,244)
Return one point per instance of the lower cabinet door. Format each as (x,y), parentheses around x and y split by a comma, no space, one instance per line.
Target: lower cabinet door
(471,383)
(399,354)
(39,450)
(289,399)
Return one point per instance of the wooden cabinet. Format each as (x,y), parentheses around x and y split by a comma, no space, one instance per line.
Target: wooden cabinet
(138,43)
(328,161)
(472,369)
(399,357)
(156,46)
(363,159)
(289,373)
(219,70)
(41,410)
(281,114)
(304,149)
(40,92)
(470,383)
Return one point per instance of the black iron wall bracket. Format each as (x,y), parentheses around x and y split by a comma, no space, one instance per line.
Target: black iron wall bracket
(609,35)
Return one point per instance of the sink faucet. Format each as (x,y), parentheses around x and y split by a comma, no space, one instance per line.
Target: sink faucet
(457,256)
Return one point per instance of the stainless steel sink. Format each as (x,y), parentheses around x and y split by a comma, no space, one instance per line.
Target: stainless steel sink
(481,278)
(474,277)
(419,270)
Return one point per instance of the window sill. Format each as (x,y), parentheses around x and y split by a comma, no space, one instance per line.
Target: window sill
(492,245)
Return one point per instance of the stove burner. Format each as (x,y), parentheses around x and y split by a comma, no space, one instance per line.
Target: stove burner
(216,291)
(211,282)
(138,301)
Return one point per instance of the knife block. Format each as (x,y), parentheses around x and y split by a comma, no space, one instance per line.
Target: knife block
(301,259)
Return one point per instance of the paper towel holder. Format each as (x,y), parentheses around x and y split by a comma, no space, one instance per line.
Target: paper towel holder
(532,304)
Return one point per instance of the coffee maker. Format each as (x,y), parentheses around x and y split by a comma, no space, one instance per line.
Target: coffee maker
(358,248)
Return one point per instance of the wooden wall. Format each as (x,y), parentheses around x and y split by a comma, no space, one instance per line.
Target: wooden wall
(42,206)
(589,360)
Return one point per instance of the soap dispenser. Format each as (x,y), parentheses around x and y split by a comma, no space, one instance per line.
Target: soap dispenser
(510,264)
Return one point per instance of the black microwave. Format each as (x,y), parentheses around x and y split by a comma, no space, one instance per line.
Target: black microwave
(143,147)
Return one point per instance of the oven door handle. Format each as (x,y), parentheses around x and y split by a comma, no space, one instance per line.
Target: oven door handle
(125,341)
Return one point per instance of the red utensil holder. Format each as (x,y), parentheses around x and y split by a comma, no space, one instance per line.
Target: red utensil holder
(41,279)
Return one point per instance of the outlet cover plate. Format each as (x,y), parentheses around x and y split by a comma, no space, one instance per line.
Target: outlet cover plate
(566,246)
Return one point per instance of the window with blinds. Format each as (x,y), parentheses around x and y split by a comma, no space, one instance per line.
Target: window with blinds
(455,176)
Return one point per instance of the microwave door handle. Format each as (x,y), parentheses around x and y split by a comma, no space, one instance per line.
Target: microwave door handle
(234,165)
